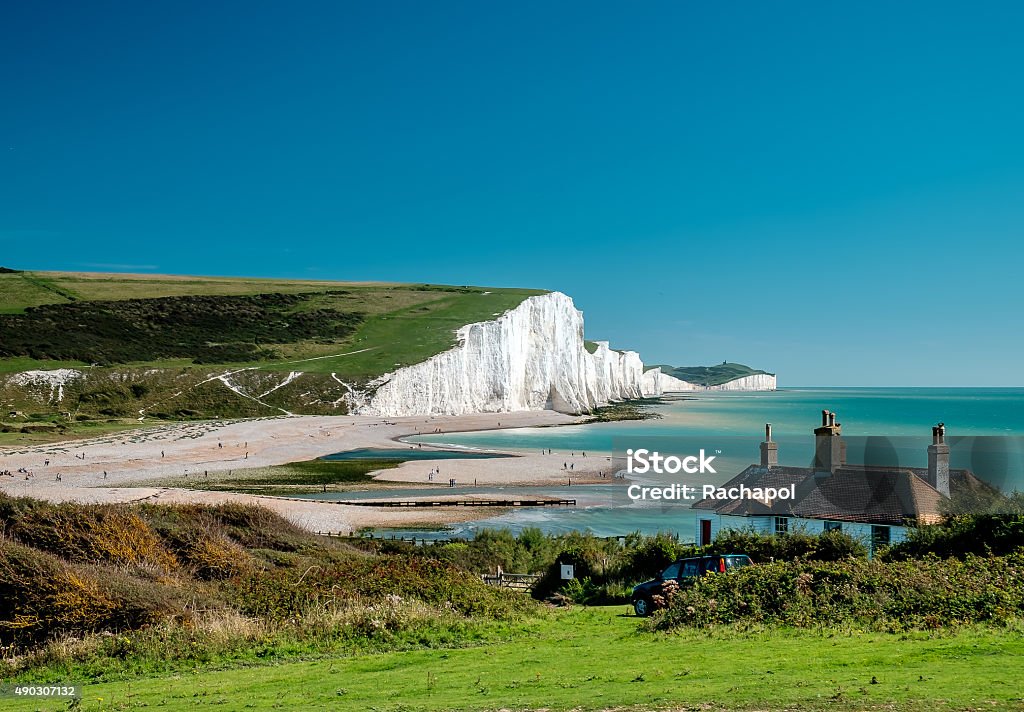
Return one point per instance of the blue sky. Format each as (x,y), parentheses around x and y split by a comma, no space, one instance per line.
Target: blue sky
(830,192)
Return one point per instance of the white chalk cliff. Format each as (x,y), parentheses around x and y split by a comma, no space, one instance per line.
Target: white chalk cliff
(531,357)
(755,382)
(656,383)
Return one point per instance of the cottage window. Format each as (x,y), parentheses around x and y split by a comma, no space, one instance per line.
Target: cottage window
(879,537)
(833,526)
(781,525)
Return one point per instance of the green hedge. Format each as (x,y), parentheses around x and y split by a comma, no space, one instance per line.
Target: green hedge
(925,594)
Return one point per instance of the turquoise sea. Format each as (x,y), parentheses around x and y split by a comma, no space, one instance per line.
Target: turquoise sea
(984,426)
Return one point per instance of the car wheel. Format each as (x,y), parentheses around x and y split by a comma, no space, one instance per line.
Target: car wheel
(642,607)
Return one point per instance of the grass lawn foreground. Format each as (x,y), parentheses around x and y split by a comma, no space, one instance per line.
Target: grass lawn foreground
(595,659)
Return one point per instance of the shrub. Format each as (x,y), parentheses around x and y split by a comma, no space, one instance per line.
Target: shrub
(959,536)
(285,593)
(646,557)
(827,546)
(110,533)
(882,595)
(42,595)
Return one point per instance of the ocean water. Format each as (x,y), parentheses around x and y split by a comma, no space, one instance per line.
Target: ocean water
(794,413)
(984,428)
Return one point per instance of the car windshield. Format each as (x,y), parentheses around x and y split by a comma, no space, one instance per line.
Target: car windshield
(735,562)
(671,572)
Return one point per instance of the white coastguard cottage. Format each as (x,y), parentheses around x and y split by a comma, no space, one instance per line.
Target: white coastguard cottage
(872,503)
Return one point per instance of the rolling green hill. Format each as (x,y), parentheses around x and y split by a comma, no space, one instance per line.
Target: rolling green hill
(709,375)
(161,346)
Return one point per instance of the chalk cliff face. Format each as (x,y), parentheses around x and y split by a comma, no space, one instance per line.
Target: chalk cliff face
(757,382)
(530,358)
(656,383)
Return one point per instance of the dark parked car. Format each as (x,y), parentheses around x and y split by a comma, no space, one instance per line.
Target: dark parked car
(682,571)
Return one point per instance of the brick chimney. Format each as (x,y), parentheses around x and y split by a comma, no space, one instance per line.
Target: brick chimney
(769,449)
(829,449)
(938,460)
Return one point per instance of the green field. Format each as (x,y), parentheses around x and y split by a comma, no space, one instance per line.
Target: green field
(404,324)
(597,659)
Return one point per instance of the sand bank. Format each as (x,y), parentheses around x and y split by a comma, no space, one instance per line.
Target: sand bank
(116,468)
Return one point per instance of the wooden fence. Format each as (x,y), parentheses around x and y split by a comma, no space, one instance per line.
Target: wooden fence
(516,582)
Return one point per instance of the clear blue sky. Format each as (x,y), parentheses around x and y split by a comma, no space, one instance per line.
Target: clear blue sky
(830,191)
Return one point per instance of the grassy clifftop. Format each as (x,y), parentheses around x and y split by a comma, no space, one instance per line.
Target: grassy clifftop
(390,324)
(157,345)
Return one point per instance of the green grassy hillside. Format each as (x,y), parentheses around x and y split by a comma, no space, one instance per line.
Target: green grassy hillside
(709,375)
(149,344)
(404,323)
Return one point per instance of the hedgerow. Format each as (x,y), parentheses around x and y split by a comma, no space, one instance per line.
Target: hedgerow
(912,594)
